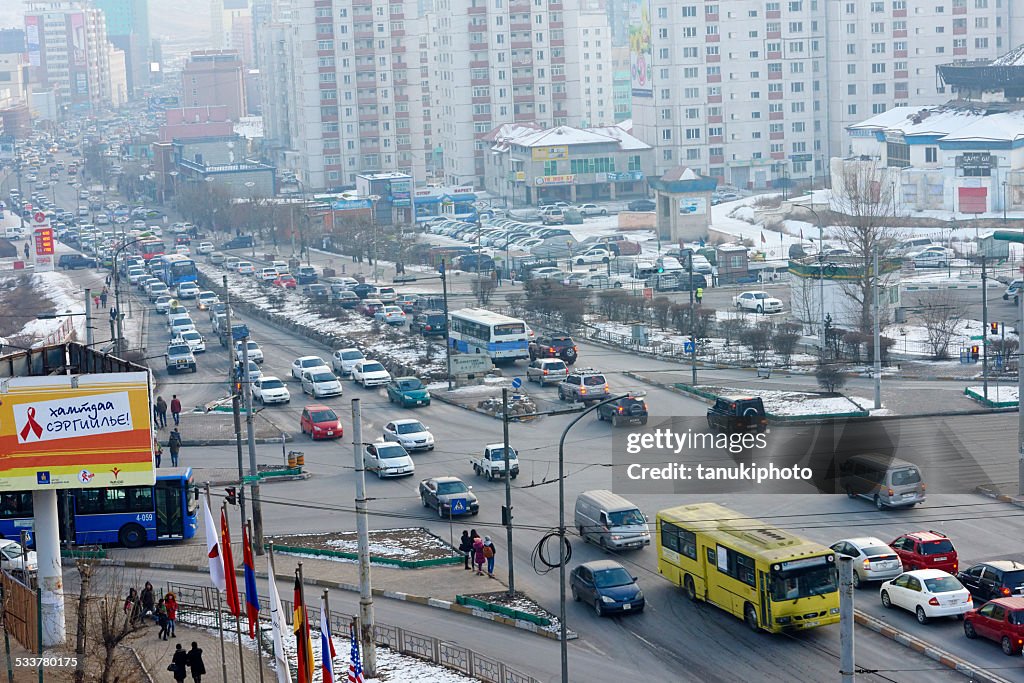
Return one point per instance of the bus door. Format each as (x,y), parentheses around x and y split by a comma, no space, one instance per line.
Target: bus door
(66,515)
(766,602)
(170,520)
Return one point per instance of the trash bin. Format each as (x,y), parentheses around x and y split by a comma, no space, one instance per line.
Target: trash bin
(329,272)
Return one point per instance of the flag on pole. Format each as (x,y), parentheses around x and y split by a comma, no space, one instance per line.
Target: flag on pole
(303,646)
(763,240)
(284,674)
(230,582)
(801,234)
(327,653)
(252,601)
(213,549)
(355,667)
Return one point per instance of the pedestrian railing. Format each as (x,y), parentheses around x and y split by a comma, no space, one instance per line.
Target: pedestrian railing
(198,605)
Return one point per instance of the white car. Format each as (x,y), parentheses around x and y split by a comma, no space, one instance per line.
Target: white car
(180,324)
(255,374)
(928,593)
(931,259)
(546,273)
(135,274)
(596,255)
(268,275)
(195,341)
(304,363)
(182,249)
(370,373)
(592,210)
(392,315)
(760,302)
(205,248)
(268,389)
(254,350)
(410,433)
(13,560)
(343,360)
(156,290)
(162,304)
(320,383)
(245,268)
(388,460)
(206,299)
(188,290)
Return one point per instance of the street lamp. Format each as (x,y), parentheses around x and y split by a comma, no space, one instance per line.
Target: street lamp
(1004,201)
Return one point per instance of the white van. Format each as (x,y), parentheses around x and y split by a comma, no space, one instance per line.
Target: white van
(611,521)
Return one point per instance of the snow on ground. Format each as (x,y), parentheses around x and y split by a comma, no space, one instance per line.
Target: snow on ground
(997,393)
(66,297)
(868,404)
(794,403)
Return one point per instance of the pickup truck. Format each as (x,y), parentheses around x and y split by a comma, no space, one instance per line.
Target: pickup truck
(179,358)
(491,463)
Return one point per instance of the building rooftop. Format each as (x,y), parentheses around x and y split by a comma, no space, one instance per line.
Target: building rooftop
(530,135)
(948,122)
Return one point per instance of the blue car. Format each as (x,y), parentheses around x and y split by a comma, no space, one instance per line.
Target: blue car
(607,586)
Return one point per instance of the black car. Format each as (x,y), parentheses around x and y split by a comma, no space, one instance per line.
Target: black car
(72,261)
(362,289)
(239,242)
(607,586)
(317,292)
(629,410)
(994,579)
(475,262)
(642,205)
(554,346)
(737,414)
(429,324)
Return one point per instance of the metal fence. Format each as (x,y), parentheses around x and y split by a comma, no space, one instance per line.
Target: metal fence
(198,605)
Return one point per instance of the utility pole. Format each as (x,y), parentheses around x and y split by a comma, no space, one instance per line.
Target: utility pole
(257,511)
(88,317)
(693,332)
(846,657)
(447,322)
(506,512)
(984,329)
(878,334)
(1020,394)
(236,411)
(365,590)
(236,400)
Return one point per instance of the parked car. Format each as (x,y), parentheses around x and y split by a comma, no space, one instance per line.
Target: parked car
(595,255)
(320,383)
(73,261)
(1001,620)
(994,579)
(607,586)
(928,593)
(343,360)
(546,371)
(759,302)
(285,281)
(628,410)
(13,559)
(429,324)
(873,560)
(1013,290)
(440,493)
(388,459)
(369,307)
(737,414)
(303,363)
(269,389)
(930,259)
(408,392)
(320,422)
(410,433)
(588,210)
(345,299)
(926,550)
(370,373)
(641,205)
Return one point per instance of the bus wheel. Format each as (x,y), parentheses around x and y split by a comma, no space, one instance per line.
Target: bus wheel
(132,536)
(750,616)
(691,590)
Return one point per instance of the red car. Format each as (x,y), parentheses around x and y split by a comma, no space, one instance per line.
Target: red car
(926,550)
(1001,620)
(320,422)
(369,307)
(285,281)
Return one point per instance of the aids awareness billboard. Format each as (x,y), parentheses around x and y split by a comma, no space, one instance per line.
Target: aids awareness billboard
(75,431)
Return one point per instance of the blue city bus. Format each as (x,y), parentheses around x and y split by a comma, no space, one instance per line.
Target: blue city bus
(129,515)
(176,268)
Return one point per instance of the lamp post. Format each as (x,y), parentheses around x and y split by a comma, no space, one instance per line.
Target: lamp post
(249,185)
(118,315)
(1004,201)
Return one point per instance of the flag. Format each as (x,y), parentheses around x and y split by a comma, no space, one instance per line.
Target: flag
(284,674)
(355,667)
(252,601)
(327,653)
(801,234)
(230,582)
(303,646)
(763,240)
(213,549)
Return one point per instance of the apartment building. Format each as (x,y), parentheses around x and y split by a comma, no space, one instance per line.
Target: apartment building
(128,30)
(758,93)
(214,77)
(495,63)
(345,91)
(590,69)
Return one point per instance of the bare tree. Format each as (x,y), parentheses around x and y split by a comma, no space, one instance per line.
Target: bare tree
(942,314)
(758,339)
(85,576)
(661,307)
(804,302)
(483,289)
(785,340)
(830,377)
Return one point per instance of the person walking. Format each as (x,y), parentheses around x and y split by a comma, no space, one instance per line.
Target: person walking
(161,619)
(699,294)
(195,662)
(174,445)
(147,598)
(178,664)
(161,410)
(96,301)
(478,555)
(103,298)
(171,602)
(132,606)
(158,451)
(489,552)
(26,251)
(466,548)
(175,409)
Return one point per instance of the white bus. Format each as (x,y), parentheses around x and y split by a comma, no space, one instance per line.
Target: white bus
(477,330)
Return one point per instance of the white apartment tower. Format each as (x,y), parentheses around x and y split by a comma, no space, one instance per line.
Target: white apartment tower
(758,92)
(343,89)
(590,68)
(496,62)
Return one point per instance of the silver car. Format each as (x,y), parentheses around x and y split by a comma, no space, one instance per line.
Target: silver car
(546,371)
(873,560)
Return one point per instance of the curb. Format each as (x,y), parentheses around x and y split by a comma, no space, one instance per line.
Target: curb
(353,588)
(1001,497)
(231,441)
(939,655)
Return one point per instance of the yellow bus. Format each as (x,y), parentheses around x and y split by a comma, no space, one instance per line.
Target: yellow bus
(772,579)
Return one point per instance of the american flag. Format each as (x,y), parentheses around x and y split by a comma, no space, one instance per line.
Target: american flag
(355,667)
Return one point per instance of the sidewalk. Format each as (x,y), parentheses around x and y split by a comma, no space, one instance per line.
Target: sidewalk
(216,429)
(157,653)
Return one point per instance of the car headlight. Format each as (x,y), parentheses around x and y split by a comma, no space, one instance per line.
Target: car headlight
(639,595)
(608,600)
(834,610)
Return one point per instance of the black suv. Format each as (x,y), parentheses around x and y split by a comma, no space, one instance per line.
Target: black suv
(72,261)
(642,205)
(554,346)
(429,324)
(629,410)
(994,579)
(737,414)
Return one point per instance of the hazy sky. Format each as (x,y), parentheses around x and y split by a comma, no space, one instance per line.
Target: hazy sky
(165,16)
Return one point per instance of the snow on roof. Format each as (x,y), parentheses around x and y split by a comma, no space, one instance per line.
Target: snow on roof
(1014,57)
(250,127)
(562,135)
(626,140)
(507,135)
(948,123)
(997,127)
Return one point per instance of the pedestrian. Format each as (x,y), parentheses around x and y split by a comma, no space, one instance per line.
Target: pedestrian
(178,664)
(175,409)
(132,606)
(26,251)
(466,547)
(489,552)
(171,603)
(478,555)
(161,408)
(195,662)
(174,445)
(161,619)
(147,598)
(107,280)
(700,294)
(103,298)
(158,452)
(96,301)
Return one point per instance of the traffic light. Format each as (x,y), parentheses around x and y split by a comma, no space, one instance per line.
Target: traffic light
(232,498)
(975,352)
(661,268)
(995,328)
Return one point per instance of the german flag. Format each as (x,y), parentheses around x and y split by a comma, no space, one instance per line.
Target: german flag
(303,644)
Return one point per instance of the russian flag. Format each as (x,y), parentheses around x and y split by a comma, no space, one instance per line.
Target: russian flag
(327,653)
(252,601)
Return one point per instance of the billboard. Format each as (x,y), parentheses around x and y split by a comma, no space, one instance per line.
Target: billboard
(640,51)
(400,193)
(44,241)
(32,39)
(550,153)
(688,205)
(76,35)
(75,431)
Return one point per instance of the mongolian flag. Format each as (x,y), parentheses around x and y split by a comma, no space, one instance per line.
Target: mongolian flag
(303,646)
(230,583)
(252,601)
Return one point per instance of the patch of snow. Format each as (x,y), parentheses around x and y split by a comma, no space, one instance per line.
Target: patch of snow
(66,297)
(1000,394)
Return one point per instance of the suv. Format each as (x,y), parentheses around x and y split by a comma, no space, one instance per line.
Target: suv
(553,216)
(1001,620)
(554,346)
(429,323)
(584,385)
(179,358)
(737,414)
(72,261)
(546,370)
(994,579)
(926,550)
(628,410)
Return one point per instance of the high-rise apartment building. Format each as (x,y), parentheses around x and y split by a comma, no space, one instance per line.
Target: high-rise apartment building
(344,89)
(758,92)
(128,30)
(214,77)
(589,68)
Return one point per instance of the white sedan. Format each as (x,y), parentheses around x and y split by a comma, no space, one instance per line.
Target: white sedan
(410,433)
(195,341)
(188,290)
(928,593)
(392,315)
(320,383)
(594,256)
(388,460)
(370,373)
(343,360)
(268,389)
(760,302)
(304,363)
(205,248)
